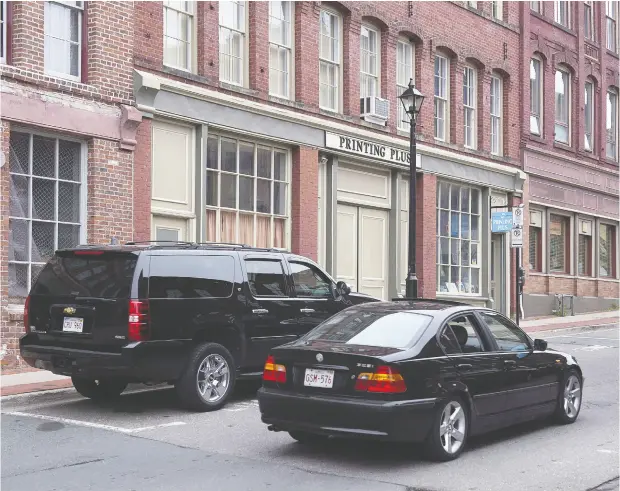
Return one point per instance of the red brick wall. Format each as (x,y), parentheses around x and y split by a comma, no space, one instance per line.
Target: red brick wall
(208,40)
(259,46)
(142,182)
(426,233)
(27,49)
(608,289)
(304,202)
(306,59)
(148,46)
(586,288)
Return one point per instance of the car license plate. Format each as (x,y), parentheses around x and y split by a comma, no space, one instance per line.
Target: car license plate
(319,378)
(73,324)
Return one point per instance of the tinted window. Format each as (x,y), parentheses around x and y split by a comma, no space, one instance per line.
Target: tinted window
(105,276)
(465,333)
(382,329)
(449,342)
(309,281)
(507,336)
(191,276)
(266,278)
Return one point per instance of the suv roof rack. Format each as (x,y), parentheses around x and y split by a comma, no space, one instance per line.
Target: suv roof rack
(173,242)
(430,300)
(233,244)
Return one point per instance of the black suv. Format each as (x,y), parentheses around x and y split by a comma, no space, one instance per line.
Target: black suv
(198,316)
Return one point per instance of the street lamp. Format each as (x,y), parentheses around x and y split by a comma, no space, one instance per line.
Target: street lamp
(412,100)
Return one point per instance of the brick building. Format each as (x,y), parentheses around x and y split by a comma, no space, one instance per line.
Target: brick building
(68,137)
(570,153)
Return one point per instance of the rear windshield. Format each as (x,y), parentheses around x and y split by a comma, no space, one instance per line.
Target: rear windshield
(382,329)
(105,276)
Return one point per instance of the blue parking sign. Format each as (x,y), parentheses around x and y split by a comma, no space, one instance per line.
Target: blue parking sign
(501,221)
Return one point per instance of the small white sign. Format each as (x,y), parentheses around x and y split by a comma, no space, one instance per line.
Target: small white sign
(517,217)
(371,150)
(516,237)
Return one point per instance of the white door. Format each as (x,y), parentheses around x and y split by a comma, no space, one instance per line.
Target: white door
(169,229)
(362,249)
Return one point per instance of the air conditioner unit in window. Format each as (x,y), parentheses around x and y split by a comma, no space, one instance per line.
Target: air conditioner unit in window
(375,110)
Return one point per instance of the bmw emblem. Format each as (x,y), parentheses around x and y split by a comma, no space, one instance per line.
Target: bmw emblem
(319,357)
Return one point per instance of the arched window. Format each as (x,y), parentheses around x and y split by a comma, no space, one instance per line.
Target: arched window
(611,124)
(562,105)
(536,90)
(588,127)
(441,96)
(405,71)
(497,97)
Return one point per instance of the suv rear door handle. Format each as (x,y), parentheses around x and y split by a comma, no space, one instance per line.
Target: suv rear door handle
(260,311)
(510,363)
(306,311)
(464,366)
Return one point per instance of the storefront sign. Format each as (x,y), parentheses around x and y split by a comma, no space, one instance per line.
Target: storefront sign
(369,149)
(501,221)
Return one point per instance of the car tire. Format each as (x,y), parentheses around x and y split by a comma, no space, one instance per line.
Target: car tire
(569,398)
(449,431)
(208,379)
(307,438)
(99,389)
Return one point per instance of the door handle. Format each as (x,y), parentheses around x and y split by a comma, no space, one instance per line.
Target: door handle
(306,311)
(464,366)
(260,311)
(510,363)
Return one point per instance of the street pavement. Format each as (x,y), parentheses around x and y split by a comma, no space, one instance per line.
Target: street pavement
(58,440)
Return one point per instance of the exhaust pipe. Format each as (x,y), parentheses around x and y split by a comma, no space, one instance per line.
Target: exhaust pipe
(273,428)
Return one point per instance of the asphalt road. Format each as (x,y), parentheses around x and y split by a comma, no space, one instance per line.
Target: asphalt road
(60,441)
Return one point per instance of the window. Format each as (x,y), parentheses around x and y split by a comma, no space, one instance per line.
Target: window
(266,278)
(362,327)
(329,55)
(247,192)
(535,6)
(607,251)
(309,281)
(536,85)
(458,239)
(3,26)
(562,106)
(232,42)
(46,204)
(63,39)
(465,334)
(584,252)
(562,13)
(589,117)
(449,342)
(497,9)
(496,115)
(535,243)
(441,97)
(369,62)
(404,73)
(559,251)
(280,43)
(191,277)
(611,22)
(588,19)
(472,4)
(611,125)
(507,336)
(469,106)
(178,34)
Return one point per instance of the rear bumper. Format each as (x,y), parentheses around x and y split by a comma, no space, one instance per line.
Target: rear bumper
(408,420)
(136,362)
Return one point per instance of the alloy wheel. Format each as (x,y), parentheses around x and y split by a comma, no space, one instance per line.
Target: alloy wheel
(572,396)
(213,378)
(452,427)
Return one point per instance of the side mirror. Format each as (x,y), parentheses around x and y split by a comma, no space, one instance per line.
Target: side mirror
(540,344)
(342,288)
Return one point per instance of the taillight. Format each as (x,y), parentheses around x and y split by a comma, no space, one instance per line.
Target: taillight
(139,320)
(385,380)
(274,372)
(27,315)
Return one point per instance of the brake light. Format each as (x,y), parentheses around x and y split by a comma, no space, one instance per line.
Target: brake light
(139,320)
(274,372)
(27,315)
(385,380)
(88,253)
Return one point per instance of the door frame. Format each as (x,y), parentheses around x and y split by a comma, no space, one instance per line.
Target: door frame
(501,283)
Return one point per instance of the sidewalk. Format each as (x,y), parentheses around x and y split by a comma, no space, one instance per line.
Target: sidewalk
(39,380)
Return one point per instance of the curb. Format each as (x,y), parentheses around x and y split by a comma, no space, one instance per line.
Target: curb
(35,387)
(571,328)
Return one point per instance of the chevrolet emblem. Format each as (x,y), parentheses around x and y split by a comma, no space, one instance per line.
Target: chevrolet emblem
(69,310)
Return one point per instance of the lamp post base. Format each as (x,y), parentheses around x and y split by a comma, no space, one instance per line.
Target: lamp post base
(411,286)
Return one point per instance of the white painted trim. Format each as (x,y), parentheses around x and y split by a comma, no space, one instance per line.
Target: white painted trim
(572,210)
(157,82)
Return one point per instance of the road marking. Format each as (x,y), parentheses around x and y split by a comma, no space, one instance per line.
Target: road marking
(594,347)
(88,424)
(241,406)
(604,450)
(578,334)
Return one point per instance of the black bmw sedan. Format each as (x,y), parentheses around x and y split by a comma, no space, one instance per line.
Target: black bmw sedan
(421,371)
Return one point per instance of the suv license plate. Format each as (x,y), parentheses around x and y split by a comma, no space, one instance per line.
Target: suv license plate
(319,378)
(73,324)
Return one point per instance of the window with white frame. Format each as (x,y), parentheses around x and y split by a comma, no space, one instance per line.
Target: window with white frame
(46,210)
(232,42)
(280,48)
(588,110)
(63,38)
(559,244)
(497,9)
(611,125)
(535,241)
(584,248)
(441,97)
(3,39)
(472,3)
(496,115)
(329,60)
(178,34)
(535,6)
(458,239)
(562,106)
(404,73)
(247,192)
(607,250)
(588,20)
(611,25)
(369,62)
(536,85)
(469,106)
(562,12)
